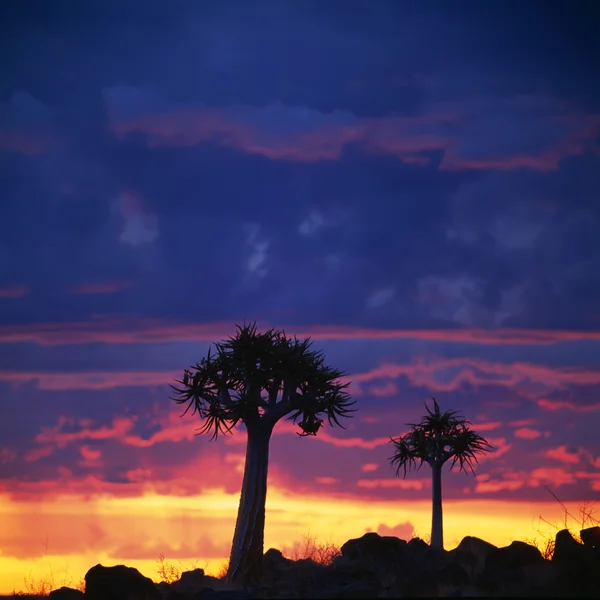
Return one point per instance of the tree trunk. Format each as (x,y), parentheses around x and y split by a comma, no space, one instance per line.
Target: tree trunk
(437,531)
(248,540)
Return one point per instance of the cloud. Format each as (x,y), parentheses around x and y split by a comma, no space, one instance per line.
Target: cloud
(490,426)
(380,298)
(326,480)
(7,455)
(104,287)
(476,135)
(255,264)
(441,374)
(139,227)
(490,486)
(133,329)
(15,291)
(403,484)
(311,223)
(527,434)
(404,531)
(148,548)
(563,455)
(368,467)
(94,380)
(386,390)
(554,476)
(554,405)
(26,125)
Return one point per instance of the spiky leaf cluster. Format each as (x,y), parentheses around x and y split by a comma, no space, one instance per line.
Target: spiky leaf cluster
(437,438)
(254,375)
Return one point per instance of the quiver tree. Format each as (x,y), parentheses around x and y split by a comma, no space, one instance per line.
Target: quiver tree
(258,378)
(435,440)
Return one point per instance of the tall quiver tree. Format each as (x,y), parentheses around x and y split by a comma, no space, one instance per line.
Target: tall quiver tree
(435,440)
(258,378)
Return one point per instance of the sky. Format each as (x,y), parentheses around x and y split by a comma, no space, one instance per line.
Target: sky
(414,185)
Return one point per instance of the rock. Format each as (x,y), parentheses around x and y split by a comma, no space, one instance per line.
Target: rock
(118,583)
(66,593)
(471,554)
(190,582)
(373,547)
(417,547)
(517,555)
(591,537)
(569,553)
(505,569)
(373,566)
(576,565)
(274,566)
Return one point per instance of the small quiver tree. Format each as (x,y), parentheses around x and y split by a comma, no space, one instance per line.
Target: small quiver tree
(436,439)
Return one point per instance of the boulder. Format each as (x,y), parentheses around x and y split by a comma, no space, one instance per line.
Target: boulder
(374,548)
(118,583)
(515,556)
(190,583)
(591,537)
(274,567)
(570,554)
(66,593)
(471,554)
(505,571)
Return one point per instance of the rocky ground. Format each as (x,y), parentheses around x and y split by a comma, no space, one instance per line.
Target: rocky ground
(382,567)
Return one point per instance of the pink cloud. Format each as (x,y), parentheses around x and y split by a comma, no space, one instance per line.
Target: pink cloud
(522,423)
(387,389)
(368,467)
(445,375)
(561,454)
(106,287)
(98,380)
(31,144)
(59,438)
(554,476)
(287,427)
(282,132)
(560,404)
(487,426)
(500,448)
(37,453)
(326,480)
(403,484)
(15,291)
(89,453)
(131,329)
(527,434)
(486,487)
(7,455)
(404,531)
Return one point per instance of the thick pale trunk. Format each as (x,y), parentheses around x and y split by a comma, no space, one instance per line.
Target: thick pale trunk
(248,540)
(437,532)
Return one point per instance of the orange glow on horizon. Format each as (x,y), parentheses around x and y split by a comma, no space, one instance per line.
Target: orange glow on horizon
(69,535)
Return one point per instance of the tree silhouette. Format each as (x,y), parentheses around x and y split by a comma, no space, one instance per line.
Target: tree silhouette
(258,378)
(435,440)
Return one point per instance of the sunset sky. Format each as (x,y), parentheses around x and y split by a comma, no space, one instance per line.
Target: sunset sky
(415,185)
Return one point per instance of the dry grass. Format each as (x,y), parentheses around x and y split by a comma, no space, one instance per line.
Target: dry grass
(586,519)
(41,587)
(322,553)
(168,572)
